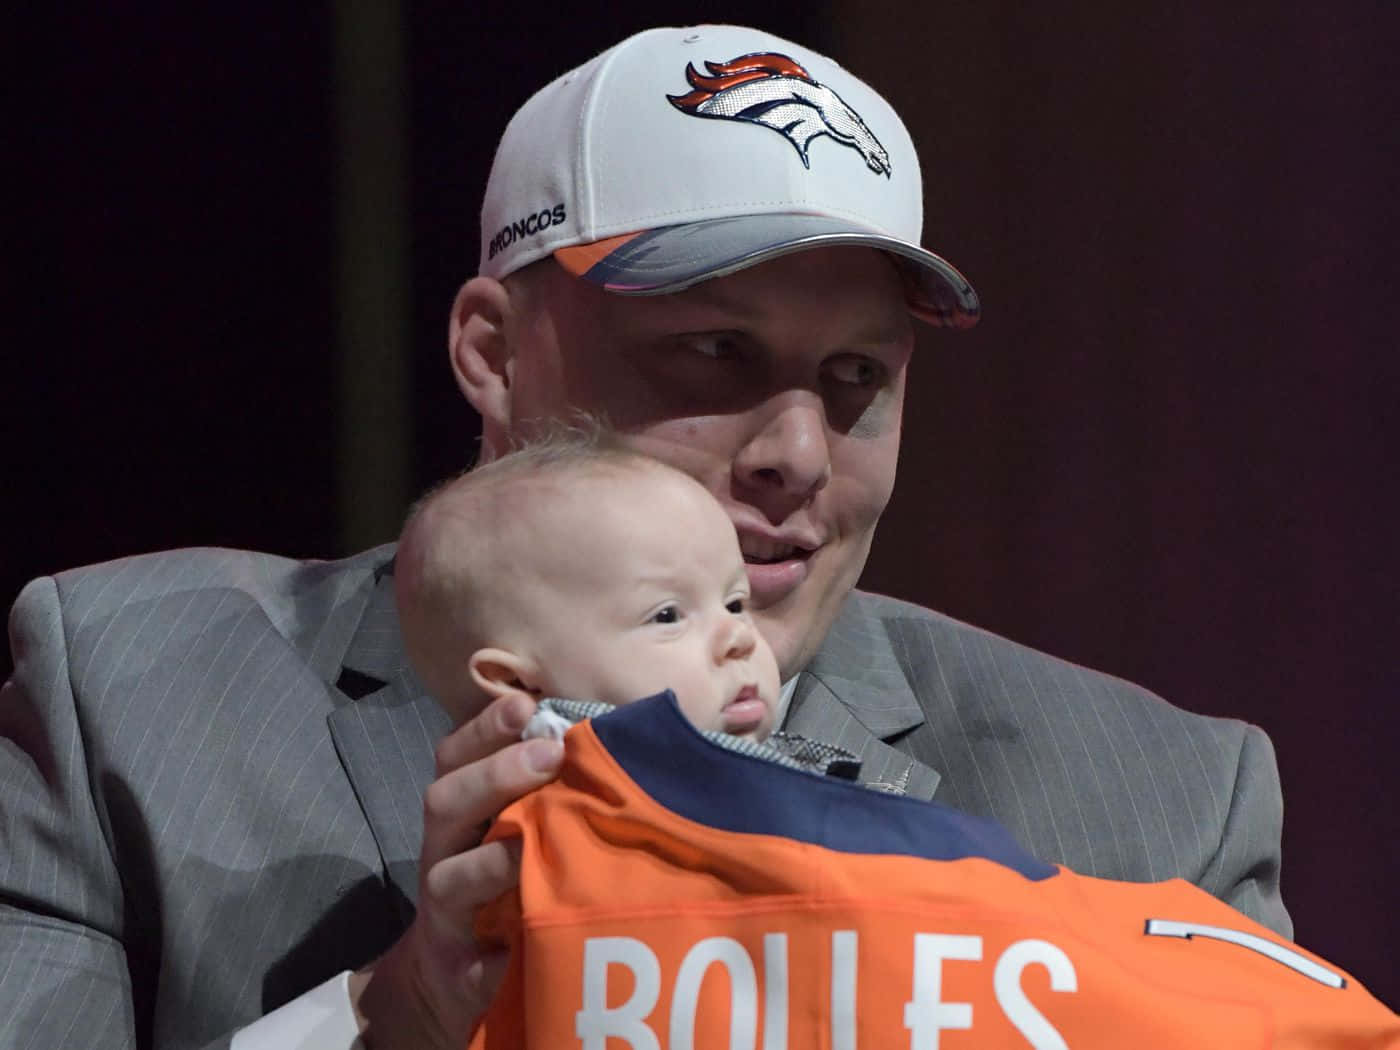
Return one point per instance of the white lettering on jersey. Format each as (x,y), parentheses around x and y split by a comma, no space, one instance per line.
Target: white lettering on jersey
(926,1014)
(743,986)
(1277,952)
(1011,997)
(595,1022)
(775,991)
(843,990)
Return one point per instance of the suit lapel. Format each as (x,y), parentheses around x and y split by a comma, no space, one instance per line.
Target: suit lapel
(385,737)
(855,694)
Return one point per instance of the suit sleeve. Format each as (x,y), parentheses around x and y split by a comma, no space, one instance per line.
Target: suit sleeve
(70,973)
(1244,872)
(64,974)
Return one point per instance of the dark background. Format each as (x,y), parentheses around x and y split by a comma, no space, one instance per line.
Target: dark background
(1168,452)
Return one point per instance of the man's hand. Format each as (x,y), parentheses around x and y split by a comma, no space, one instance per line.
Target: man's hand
(429,989)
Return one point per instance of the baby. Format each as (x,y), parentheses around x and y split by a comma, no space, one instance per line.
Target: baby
(575,568)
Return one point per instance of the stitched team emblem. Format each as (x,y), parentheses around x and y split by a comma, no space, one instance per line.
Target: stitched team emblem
(775,91)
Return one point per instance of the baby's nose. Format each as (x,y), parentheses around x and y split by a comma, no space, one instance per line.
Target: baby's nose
(735,639)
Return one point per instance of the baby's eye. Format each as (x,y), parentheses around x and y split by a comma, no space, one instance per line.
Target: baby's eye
(737,605)
(666,614)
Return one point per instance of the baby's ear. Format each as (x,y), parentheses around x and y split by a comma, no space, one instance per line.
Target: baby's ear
(499,672)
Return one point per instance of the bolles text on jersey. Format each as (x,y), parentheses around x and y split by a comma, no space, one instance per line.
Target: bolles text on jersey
(926,1013)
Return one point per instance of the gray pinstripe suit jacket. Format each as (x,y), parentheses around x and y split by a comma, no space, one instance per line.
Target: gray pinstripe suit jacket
(211,765)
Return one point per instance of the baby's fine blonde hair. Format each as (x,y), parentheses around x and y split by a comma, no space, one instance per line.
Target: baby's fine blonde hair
(470,537)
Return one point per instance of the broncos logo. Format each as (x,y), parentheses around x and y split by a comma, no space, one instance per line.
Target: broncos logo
(775,91)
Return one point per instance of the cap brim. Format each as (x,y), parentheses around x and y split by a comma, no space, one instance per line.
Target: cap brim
(669,259)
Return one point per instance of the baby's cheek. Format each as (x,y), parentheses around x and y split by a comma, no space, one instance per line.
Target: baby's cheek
(696,711)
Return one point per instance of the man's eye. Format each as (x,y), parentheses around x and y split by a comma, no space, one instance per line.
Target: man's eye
(666,614)
(721,346)
(855,370)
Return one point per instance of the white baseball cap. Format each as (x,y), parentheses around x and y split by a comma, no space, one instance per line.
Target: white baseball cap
(688,153)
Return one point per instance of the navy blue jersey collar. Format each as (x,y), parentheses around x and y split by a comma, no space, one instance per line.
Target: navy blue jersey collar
(702,781)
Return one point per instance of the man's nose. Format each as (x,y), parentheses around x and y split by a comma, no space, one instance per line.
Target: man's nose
(787,461)
(734,639)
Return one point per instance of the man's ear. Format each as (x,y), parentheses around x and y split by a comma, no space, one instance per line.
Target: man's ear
(481,358)
(498,672)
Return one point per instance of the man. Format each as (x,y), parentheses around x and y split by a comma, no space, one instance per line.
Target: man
(214,764)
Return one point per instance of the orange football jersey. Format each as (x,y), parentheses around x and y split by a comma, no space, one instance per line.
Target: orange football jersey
(677,894)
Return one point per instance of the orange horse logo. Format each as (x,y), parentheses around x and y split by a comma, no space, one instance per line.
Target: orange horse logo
(775,91)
